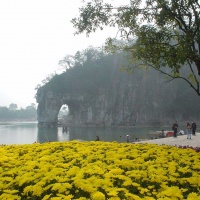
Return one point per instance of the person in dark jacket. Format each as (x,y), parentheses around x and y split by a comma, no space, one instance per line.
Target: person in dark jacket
(175,128)
(194,127)
(97,138)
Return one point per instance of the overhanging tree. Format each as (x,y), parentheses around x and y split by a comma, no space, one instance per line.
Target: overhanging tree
(162,34)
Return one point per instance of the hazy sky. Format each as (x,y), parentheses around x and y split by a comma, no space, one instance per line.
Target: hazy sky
(34,36)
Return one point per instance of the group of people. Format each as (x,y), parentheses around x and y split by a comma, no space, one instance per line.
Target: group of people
(190,129)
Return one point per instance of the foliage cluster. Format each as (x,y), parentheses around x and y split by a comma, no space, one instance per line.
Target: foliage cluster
(98,171)
(162,34)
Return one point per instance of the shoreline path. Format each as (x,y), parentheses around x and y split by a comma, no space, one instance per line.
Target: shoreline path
(179,140)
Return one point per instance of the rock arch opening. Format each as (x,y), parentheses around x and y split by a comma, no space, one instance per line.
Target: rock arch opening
(64,110)
(50,104)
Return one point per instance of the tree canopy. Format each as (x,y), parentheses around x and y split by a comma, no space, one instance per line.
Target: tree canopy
(162,34)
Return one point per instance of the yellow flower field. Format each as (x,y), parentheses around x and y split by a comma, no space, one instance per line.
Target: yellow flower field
(98,171)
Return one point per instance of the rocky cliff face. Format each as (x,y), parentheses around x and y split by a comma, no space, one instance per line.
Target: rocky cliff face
(48,108)
(97,93)
(127,100)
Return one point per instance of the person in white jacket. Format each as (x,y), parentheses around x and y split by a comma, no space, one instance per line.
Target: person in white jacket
(181,132)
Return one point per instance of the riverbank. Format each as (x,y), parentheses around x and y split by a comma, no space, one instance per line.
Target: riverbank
(180,140)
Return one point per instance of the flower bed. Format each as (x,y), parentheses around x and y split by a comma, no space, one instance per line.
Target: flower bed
(98,171)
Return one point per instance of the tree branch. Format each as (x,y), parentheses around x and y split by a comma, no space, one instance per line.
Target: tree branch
(178,77)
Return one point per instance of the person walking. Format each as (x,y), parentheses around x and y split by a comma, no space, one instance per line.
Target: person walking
(194,127)
(175,128)
(188,127)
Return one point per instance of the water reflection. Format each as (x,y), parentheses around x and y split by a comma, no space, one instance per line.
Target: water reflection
(107,134)
(47,134)
(27,133)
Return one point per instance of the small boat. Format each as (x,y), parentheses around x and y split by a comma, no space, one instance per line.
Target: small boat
(159,134)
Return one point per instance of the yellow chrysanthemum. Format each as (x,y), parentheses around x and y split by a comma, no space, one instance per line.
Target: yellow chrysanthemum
(98,196)
(193,196)
(171,192)
(56,169)
(9,197)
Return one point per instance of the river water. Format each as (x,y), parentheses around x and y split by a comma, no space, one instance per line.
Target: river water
(28,132)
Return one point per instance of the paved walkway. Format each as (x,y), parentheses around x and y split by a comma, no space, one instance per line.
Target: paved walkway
(180,140)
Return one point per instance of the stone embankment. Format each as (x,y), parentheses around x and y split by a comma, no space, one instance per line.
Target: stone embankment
(179,140)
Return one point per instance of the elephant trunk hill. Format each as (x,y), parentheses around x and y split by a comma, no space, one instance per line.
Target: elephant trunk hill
(98,93)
